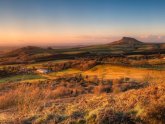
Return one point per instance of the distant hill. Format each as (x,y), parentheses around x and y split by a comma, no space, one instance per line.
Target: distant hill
(125,46)
(32,54)
(25,54)
(29,50)
(127,41)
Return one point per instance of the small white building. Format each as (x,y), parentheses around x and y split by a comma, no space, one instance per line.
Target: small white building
(42,71)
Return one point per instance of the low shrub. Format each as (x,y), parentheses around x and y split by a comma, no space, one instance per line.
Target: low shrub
(102,89)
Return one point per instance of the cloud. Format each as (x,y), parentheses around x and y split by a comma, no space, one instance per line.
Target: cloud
(109,38)
(92,38)
(152,38)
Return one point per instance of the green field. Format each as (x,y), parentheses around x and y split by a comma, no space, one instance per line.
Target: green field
(21,78)
(65,72)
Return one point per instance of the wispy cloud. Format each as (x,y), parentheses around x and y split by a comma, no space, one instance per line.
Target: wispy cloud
(152,38)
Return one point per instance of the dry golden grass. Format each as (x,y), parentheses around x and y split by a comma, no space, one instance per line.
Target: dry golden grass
(69,103)
(113,72)
(59,92)
(64,72)
(8,99)
(24,98)
(46,106)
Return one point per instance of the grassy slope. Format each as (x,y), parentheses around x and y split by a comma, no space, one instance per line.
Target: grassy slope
(65,72)
(108,48)
(113,72)
(140,103)
(39,64)
(145,104)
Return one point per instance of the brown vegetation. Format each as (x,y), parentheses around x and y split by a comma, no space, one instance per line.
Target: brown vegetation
(44,104)
(111,101)
(80,99)
(78,64)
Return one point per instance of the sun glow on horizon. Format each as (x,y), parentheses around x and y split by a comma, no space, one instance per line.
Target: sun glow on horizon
(80,22)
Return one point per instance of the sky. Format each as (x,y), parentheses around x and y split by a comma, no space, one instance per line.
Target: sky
(68,22)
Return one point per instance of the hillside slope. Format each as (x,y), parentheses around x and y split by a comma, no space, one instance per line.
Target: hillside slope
(127,41)
(39,105)
(29,50)
(125,46)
